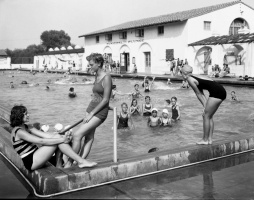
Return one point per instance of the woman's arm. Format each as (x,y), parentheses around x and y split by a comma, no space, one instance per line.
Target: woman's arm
(107,84)
(24,135)
(200,95)
(41,134)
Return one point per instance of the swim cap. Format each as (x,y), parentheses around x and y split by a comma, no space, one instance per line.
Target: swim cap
(155,109)
(187,69)
(165,111)
(58,127)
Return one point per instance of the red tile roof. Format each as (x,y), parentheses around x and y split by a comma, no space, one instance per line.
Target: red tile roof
(162,19)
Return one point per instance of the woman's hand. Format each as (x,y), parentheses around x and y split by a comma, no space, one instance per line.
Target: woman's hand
(88,117)
(67,139)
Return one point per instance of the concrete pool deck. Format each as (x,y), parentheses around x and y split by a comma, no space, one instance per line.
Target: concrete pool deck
(50,181)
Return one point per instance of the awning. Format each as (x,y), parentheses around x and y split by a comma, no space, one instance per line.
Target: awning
(225,39)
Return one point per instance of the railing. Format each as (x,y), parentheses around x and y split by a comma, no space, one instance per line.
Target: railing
(115,135)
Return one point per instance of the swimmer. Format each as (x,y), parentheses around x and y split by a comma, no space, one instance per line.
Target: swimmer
(134,108)
(72,94)
(165,120)
(175,110)
(11,85)
(233,96)
(147,106)
(185,84)
(154,120)
(47,87)
(167,103)
(147,85)
(24,82)
(136,93)
(115,91)
(169,82)
(124,117)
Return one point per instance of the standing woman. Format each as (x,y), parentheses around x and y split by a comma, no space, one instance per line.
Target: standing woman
(97,111)
(210,104)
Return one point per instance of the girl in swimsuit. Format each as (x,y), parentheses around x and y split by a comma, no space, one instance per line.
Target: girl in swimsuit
(25,139)
(165,120)
(175,110)
(124,117)
(97,111)
(217,94)
(147,107)
(134,108)
(154,120)
(136,94)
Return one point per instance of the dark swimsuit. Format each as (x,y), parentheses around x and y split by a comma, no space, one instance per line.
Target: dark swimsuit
(147,108)
(123,122)
(174,113)
(147,89)
(98,92)
(215,89)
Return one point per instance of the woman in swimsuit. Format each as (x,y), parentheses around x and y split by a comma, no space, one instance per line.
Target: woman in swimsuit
(97,111)
(25,139)
(175,110)
(217,94)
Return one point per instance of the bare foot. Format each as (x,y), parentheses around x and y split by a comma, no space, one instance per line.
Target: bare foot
(202,142)
(68,164)
(87,163)
(210,141)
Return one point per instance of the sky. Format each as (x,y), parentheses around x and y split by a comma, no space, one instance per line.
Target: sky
(23,21)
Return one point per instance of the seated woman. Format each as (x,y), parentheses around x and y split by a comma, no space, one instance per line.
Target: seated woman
(72,94)
(25,139)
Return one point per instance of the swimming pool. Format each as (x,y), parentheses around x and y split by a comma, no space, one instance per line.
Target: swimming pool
(54,106)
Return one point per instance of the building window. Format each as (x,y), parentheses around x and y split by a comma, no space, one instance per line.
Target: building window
(123,35)
(108,37)
(97,39)
(139,33)
(236,25)
(207,25)
(160,30)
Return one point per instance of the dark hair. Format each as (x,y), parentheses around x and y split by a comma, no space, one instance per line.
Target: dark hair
(147,97)
(71,89)
(124,104)
(17,115)
(97,58)
(168,101)
(136,84)
(233,92)
(174,98)
(113,86)
(134,100)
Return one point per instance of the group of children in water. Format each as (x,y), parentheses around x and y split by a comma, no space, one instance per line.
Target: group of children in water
(147,109)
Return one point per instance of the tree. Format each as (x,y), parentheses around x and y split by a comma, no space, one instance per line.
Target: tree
(53,38)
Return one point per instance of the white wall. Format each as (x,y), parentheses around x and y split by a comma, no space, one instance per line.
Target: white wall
(5,63)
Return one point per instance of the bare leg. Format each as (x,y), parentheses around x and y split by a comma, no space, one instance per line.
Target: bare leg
(86,148)
(84,130)
(211,107)
(59,161)
(211,131)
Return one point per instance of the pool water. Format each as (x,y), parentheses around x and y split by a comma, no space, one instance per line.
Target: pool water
(54,106)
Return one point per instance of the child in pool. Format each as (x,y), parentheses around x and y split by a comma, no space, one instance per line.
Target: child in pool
(11,85)
(134,108)
(165,120)
(136,93)
(185,84)
(175,109)
(167,103)
(154,120)
(147,85)
(115,91)
(147,106)
(233,96)
(124,117)
(72,93)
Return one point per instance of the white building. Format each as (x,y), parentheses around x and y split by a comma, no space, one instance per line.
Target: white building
(149,42)
(5,61)
(62,58)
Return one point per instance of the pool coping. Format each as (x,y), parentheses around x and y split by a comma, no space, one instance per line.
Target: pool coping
(51,181)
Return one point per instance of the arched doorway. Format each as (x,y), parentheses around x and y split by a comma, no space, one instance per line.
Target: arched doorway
(144,58)
(234,55)
(124,58)
(107,54)
(203,59)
